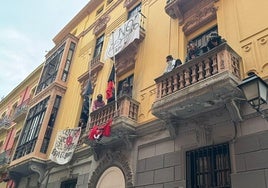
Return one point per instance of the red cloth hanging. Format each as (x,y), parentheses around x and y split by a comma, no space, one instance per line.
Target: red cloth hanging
(107,128)
(93,132)
(110,90)
(97,132)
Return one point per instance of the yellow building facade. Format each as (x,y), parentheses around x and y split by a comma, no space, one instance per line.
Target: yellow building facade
(185,127)
(13,111)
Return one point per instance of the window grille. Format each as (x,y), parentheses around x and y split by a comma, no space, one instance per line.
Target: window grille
(208,167)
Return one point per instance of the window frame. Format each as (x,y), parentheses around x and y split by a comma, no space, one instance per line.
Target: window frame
(202,39)
(98,46)
(209,166)
(31,129)
(130,81)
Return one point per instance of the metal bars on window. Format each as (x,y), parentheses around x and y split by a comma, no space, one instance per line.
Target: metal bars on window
(209,167)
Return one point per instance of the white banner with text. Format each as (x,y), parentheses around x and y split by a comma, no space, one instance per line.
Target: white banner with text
(123,36)
(64,145)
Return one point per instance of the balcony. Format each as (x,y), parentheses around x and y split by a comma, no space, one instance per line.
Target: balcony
(172,9)
(25,162)
(5,122)
(21,111)
(4,157)
(4,160)
(123,125)
(25,149)
(96,65)
(203,84)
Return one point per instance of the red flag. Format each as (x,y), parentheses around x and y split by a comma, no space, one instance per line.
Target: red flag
(107,128)
(109,90)
(93,132)
(97,132)
(110,86)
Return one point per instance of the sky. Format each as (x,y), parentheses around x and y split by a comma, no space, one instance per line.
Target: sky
(27,28)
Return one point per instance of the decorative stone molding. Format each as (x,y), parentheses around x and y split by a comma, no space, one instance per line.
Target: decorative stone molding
(112,158)
(199,18)
(129,3)
(54,87)
(191,14)
(234,111)
(204,135)
(101,24)
(172,126)
(125,60)
(39,170)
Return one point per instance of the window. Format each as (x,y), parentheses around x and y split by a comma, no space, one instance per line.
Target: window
(31,129)
(134,11)
(129,81)
(208,167)
(99,10)
(50,124)
(98,46)
(69,184)
(50,69)
(202,40)
(109,1)
(68,62)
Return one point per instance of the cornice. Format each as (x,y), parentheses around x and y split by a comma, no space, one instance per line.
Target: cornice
(88,9)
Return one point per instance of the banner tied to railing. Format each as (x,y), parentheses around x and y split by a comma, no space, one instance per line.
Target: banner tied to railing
(123,36)
(64,145)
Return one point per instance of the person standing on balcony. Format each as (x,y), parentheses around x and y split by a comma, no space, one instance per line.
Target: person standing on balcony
(98,103)
(171,63)
(214,40)
(192,51)
(126,89)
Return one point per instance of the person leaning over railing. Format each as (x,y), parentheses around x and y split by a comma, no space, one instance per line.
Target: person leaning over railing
(171,63)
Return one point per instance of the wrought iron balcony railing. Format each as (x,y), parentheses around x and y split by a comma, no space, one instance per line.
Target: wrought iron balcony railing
(5,157)
(21,110)
(5,122)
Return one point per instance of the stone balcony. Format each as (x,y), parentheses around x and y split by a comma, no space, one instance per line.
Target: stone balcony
(204,84)
(96,65)
(123,125)
(21,111)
